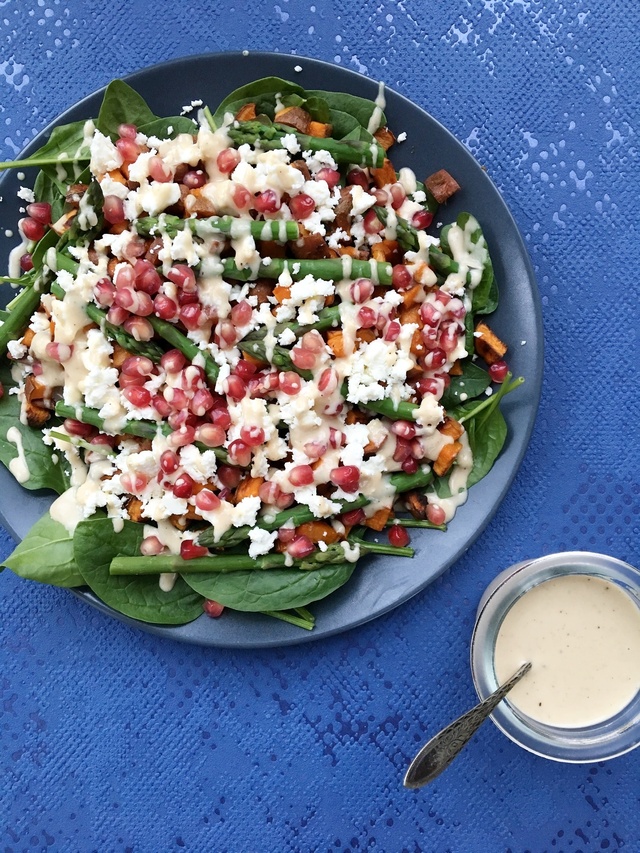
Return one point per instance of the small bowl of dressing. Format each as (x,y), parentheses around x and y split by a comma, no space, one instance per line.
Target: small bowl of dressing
(576,617)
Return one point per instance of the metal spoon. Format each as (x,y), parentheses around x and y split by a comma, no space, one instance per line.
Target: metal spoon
(438,753)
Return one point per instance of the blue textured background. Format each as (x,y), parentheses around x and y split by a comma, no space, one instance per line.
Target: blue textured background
(114,740)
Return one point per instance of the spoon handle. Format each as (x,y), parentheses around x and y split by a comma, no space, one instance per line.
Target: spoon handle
(438,753)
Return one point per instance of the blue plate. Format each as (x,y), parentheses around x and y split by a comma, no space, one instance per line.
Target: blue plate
(379,583)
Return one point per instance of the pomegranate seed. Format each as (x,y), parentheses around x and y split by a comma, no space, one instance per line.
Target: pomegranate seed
(398,196)
(194,179)
(430,337)
(410,465)
(227,160)
(177,398)
(436,514)
(241,313)
(303,359)
(210,435)
(151,546)
(313,342)
(404,429)
(422,219)
(134,482)
(59,352)
(285,500)
(137,365)
(220,417)
(443,297)
(267,202)
(430,386)
(158,171)
(169,461)
(393,331)
(189,550)
(367,318)
(402,450)
(213,609)
(129,381)
(330,176)
(315,449)
(32,229)
(269,492)
(201,402)
(435,359)
(382,196)
(401,278)
(346,477)
(356,177)
(429,314)
(26,262)
(207,501)
(104,293)
(127,131)
(73,427)
(300,547)
(328,381)
(353,517)
(301,206)
(125,276)
(361,290)
(190,316)
(136,248)
(337,438)
(183,486)
(185,434)
(147,278)
(129,149)
(165,308)
(449,339)
(417,449)
(498,371)
(245,369)
(139,328)
(241,197)
(252,436)
(161,406)
(184,277)
(235,387)
(137,396)
(239,452)
(229,477)
(286,534)
(40,211)
(371,223)
(226,331)
(398,536)
(301,475)
(456,309)
(290,383)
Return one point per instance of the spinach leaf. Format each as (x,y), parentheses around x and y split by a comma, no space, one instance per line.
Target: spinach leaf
(346,126)
(47,188)
(487,434)
(44,473)
(96,544)
(484,299)
(271,589)
(168,128)
(361,109)
(472,382)
(46,555)
(122,105)
(261,92)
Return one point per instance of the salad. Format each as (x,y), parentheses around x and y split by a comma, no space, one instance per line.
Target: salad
(241,341)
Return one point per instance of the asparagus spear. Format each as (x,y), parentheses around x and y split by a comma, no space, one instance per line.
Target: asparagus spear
(329,269)
(279,230)
(327,319)
(269,137)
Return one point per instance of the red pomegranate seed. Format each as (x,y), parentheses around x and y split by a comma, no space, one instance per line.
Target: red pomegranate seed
(303,359)
(315,449)
(127,131)
(201,402)
(430,336)
(301,206)
(185,434)
(241,197)
(422,219)
(429,314)
(134,482)
(290,383)
(190,316)
(129,149)
(392,332)
(300,547)
(286,534)
(301,475)
(129,381)
(398,536)
(371,223)
(410,465)
(183,277)
(159,171)
(402,450)
(417,449)
(210,435)
(40,211)
(435,359)
(313,342)
(32,229)
(252,435)
(137,396)
(430,386)
(356,177)
(213,609)
(194,179)
(330,176)
(227,333)
(59,352)
(353,517)
(448,340)
(183,486)
(404,429)
(241,313)
(173,361)
(443,297)
(207,501)
(328,381)
(137,365)
(401,278)
(229,477)
(267,202)
(146,276)
(26,262)
(235,387)
(346,477)
(124,277)
(161,406)
(139,328)
(169,461)
(220,417)
(136,248)
(498,371)
(285,501)
(367,318)
(189,550)
(361,290)
(176,397)
(398,196)
(337,438)
(73,427)
(456,309)
(227,160)
(436,514)
(151,546)
(239,452)
(269,492)
(104,293)
(382,196)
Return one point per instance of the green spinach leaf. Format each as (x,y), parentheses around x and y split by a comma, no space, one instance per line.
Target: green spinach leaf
(168,128)
(271,589)
(261,92)
(122,105)
(361,109)
(96,544)
(46,555)
(472,382)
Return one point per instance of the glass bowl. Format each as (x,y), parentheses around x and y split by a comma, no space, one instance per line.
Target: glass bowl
(598,742)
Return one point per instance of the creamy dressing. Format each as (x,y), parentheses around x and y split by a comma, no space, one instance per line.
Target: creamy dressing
(18,466)
(582,636)
(376,116)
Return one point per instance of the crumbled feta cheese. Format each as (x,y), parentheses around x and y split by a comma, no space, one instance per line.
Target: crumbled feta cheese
(290,142)
(261,541)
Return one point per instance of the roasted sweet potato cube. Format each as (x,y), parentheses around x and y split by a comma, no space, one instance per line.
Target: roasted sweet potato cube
(343,210)
(64,223)
(248,488)
(134,509)
(294,117)
(384,137)
(318,531)
(320,129)
(74,194)
(35,394)
(310,247)
(198,204)
(335,342)
(446,457)
(378,520)
(417,504)
(272,249)
(456,369)
(262,290)
(119,355)
(488,345)
(387,251)
(386,174)
(247,112)
(451,427)
(301,166)
(442,185)
(281,292)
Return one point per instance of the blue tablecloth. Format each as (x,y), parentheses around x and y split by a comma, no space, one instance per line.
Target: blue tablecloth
(115,740)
